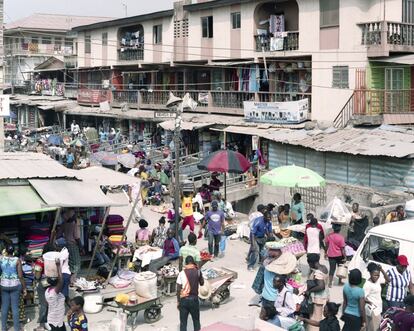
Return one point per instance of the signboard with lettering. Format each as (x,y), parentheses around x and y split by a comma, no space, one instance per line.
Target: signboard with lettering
(4,105)
(289,112)
(165,114)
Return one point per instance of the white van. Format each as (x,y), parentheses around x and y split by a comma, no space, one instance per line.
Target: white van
(383,244)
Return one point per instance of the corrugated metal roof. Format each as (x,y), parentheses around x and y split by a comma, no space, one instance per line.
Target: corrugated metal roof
(30,166)
(383,141)
(53,22)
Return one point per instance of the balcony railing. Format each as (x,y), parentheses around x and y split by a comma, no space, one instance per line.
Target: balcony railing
(35,48)
(394,36)
(120,97)
(130,54)
(270,44)
(376,102)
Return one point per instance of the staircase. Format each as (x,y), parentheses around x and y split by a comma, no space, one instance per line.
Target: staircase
(345,115)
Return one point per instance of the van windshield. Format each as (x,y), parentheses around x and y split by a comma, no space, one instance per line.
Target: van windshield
(382,250)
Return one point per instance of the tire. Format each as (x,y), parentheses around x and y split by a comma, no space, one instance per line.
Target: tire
(152,315)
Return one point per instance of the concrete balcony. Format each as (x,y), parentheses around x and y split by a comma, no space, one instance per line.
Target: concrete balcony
(376,107)
(384,37)
(38,49)
(131,54)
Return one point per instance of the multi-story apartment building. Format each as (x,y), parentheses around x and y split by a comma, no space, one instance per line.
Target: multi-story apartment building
(227,52)
(41,42)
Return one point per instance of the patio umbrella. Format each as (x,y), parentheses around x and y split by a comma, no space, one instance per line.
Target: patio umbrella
(78,142)
(54,140)
(293,176)
(226,161)
(105,158)
(127,160)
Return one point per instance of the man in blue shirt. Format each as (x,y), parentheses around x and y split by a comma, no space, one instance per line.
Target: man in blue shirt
(261,231)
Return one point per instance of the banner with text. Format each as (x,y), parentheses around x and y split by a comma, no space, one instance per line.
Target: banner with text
(4,105)
(289,112)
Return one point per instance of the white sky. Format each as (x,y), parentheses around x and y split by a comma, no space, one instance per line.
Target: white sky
(16,9)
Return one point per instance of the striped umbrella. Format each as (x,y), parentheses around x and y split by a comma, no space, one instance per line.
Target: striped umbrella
(226,161)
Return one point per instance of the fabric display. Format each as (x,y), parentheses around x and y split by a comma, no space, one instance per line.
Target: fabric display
(49,87)
(36,238)
(132,40)
(277,25)
(115,225)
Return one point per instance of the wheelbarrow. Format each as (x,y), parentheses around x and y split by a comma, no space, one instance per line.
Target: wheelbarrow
(151,308)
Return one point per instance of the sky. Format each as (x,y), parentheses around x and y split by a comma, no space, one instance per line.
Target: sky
(16,9)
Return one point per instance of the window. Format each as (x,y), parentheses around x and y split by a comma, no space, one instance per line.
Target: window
(207,26)
(105,39)
(340,76)
(46,40)
(88,44)
(68,42)
(35,40)
(157,34)
(380,250)
(58,41)
(329,13)
(235,20)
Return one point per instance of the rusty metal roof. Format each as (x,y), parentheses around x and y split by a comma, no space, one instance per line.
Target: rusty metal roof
(31,166)
(383,141)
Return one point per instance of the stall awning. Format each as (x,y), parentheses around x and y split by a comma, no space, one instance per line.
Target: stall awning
(170,125)
(69,193)
(19,200)
(105,176)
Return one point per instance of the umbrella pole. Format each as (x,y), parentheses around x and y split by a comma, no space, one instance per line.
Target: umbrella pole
(53,233)
(98,240)
(225,174)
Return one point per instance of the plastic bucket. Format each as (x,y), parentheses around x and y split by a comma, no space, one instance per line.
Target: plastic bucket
(50,264)
(146,285)
(93,303)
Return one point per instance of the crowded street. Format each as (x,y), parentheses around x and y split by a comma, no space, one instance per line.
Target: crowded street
(207,165)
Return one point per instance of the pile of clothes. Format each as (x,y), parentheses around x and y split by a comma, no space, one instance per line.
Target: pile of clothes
(36,240)
(115,225)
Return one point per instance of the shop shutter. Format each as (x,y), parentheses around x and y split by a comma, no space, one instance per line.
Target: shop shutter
(296,156)
(315,161)
(358,170)
(277,155)
(336,167)
(389,174)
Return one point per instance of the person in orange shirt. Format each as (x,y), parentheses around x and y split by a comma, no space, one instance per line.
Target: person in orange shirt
(187,211)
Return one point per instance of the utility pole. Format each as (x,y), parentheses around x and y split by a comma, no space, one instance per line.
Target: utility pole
(177,188)
(2,71)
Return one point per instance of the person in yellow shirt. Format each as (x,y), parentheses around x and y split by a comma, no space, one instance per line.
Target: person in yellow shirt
(395,215)
(187,211)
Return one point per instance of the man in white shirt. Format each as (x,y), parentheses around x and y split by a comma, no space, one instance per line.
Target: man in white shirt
(74,128)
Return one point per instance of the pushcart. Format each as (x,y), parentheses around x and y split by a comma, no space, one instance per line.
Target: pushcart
(151,308)
(220,286)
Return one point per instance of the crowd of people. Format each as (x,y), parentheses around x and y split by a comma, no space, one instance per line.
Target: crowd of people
(382,301)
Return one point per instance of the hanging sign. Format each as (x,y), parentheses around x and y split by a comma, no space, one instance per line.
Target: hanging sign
(4,105)
(289,112)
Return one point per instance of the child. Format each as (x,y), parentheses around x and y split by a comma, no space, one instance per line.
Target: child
(76,317)
(330,322)
(56,301)
(142,235)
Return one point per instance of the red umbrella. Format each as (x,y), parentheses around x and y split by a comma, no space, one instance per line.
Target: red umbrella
(225,161)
